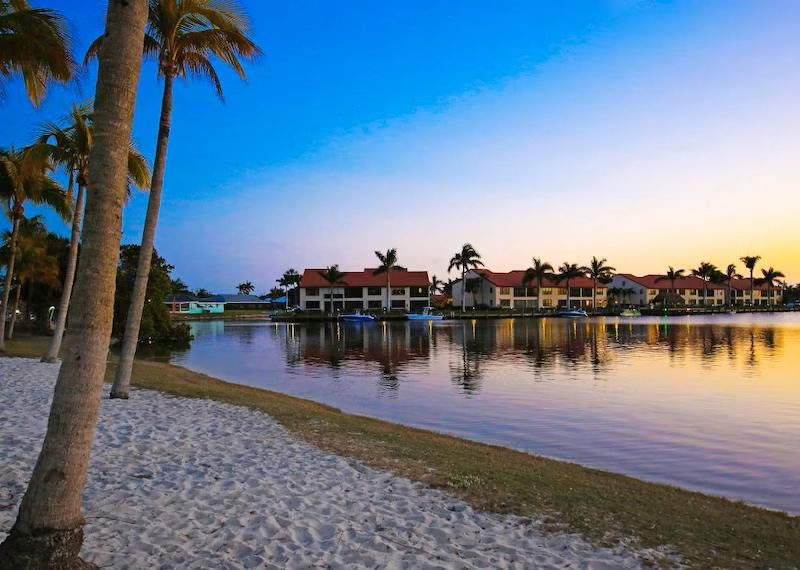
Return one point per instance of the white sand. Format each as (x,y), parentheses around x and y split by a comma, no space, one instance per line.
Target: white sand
(177,482)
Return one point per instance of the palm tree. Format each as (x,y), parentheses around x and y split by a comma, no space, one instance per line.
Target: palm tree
(24,178)
(33,263)
(333,276)
(727,278)
(620,293)
(705,271)
(183,35)
(539,271)
(34,44)
(598,270)
(70,147)
(569,271)
(48,531)
(750,262)
(465,260)
(672,276)
(388,263)
(770,276)
(290,280)
(245,288)
(436,285)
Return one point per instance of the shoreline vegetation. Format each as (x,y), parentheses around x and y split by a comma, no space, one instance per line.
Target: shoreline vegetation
(605,508)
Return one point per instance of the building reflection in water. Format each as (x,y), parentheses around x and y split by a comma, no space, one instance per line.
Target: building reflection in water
(391,350)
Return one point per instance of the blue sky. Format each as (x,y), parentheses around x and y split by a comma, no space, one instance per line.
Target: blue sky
(649,133)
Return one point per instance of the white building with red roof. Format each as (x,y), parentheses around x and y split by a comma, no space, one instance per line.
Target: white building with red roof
(690,291)
(361,290)
(505,290)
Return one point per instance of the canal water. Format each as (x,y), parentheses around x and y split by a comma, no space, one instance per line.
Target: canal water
(705,403)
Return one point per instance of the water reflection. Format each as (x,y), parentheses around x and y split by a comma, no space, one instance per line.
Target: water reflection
(390,349)
(710,404)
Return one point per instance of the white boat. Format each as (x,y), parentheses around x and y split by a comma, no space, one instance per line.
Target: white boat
(572,313)
(425,315)
(357,317)
(630,312)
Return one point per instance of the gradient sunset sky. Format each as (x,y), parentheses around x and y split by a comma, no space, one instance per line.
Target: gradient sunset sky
(649,133)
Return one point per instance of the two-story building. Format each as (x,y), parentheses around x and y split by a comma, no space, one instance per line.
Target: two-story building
(361,290)
(691,291)
(493,289)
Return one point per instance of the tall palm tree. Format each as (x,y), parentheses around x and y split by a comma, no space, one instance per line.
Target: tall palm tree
(48,531)
(598,270)
(705,271)
(183,35)
(466,259)
(34,44)
(750,262)
(69,147)
(388,263)
(672,276)
(770,276)
(333,276)
(727,278)
(245,288)
(569,271)
(33,264)
(24,178)
(290,280)
(538,272)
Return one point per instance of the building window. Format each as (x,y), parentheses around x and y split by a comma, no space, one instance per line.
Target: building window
(505,302)
(374,305)
(312,305)
(418,291)
(547,302)
(354,292)
(562,290)
(652,291)
(504,290)
(520,292)
(372,291)
(398,291)
(312,291)
(398,304)
(547,291)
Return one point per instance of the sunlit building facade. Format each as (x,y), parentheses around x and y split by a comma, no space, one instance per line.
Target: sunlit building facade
(363,290)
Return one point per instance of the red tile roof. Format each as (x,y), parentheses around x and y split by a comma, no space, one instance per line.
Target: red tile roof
(661,282)
(514,279)
(400,278)
(688,282)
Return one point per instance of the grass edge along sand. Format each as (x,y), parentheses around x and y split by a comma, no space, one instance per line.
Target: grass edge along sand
(603,507)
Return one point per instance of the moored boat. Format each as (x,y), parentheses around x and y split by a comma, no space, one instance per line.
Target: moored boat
(572,313)
(630,312)
(357,317)
(425,315)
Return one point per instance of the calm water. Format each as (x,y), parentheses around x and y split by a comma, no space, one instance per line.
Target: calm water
(711,404)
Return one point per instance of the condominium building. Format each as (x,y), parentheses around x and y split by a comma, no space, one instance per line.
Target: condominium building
(492,289)
(691,290)
(360,290)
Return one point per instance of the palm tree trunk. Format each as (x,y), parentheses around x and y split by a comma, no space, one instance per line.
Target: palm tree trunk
(14,310)
(7,282)
(388,290)
(72,263)
(751,288)
(594,295)
(122,378)
(463,290)
(48,531)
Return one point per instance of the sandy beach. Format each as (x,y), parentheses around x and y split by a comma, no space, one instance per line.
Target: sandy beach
(178,482)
